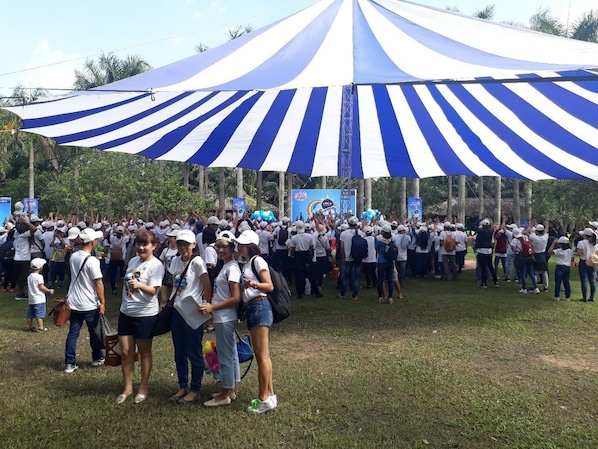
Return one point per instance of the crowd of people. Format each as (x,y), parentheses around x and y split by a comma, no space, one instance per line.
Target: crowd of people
(222,263)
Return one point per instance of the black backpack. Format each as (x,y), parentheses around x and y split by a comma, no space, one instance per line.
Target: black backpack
(283,236)
(391,252)
(359,247)
(7,249)
(280,297)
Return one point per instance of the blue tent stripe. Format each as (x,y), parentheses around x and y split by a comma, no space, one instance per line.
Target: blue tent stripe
(443,153)
(266,134)
(60,119)
(174,137)
(357,167)
(304,152)
(372,63)
(116,125)
(457,50)
(144,132)
(470,138)
(520,146)
(219,138)
(397,157)
(544,126)
(299,52)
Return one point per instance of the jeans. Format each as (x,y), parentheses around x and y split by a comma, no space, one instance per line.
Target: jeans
(509,265)
(57,270)
(227,354)
(460,259)
(401,266)
(91,318)
(587,274)
(485,261)
(115,268)
(350,278)
(561,274)
(369,270)
(385,270)
(525,268)
(187,349)
(500,261)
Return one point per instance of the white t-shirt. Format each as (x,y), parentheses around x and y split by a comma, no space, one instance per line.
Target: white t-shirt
(82,296)
(190,285)
(539,242)
(210,256)
(260,265)
(230,272)
(136,303)
(346,239)
(563,256)
(22,248)
(587,249)
(265,237)
(167,255)
(36,296)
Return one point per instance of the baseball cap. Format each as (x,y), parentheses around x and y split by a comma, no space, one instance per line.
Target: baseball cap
(73,233)
(81,225)
(226,235)
(353,221)
(484,223)
(401,228)
(172,233)
(587,231)
(321,229)
(563,239)
(34,219)
(248,237)
(213,220)
(540,227)
(300,226)
(185,235)
(89,235)
(386,228)
(120,229)
(37,263)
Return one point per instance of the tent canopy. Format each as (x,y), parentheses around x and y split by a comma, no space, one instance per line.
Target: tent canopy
(431,93)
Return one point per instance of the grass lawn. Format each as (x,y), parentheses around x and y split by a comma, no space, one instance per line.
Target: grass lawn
(450,366)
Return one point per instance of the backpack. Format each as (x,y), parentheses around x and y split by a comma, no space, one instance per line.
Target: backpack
(527,249)
(449,243)
(391,252)
(359,247)
(283,236)
(280,297)
(7,249)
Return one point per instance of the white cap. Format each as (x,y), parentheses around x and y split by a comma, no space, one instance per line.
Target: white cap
(594,224)
(149,225)
(81,225)
(37,263)
(97,226)
(73,233)
(484,222)
(89,235)
(186,235)
(172,233)
(386,228)
(213,220)
(248,237)
(226,235)
(401,228)
(563,239)
(300,227)
(587,232)
(353,221)
(120,229)
(34,219)
(540,227)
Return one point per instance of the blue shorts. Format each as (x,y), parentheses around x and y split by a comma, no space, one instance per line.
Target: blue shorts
(259,313)
(36,310)
(139,327)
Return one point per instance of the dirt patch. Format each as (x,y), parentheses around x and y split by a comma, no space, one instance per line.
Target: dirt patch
(588,362)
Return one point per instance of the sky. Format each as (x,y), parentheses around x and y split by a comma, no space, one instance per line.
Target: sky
(46,41)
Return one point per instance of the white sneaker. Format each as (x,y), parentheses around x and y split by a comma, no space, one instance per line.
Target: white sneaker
(556,298)
(70,368)
(523,290)
(98,362)
(537,291)
(258,407)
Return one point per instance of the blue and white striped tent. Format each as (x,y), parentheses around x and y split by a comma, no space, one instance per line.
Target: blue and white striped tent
(433,93)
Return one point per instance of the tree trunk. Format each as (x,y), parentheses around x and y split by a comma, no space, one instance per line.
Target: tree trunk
(461,194)
(481,195)
(324,182)
(528,200)
(516,202)
(259,185)
(403,205)
(368,194)
(240,193)
(221,196)
(449,199)
(201,175)
(186,171)
(281,211)
(415,190)
(361,203)
(498,208)
(290,196)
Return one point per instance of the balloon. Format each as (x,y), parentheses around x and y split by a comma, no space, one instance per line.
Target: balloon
(213,344)
(255,215)
(207,347)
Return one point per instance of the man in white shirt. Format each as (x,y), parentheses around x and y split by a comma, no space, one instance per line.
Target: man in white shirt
(351,268)
(301,246)
(86,299)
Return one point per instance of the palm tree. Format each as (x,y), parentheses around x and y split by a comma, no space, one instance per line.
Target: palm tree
(487,13)
(108,69)
(545,23)
(586,27)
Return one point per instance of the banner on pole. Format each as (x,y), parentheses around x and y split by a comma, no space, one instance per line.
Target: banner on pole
(307,202)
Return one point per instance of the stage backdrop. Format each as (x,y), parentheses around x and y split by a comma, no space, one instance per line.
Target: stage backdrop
(307,202)
(5,209)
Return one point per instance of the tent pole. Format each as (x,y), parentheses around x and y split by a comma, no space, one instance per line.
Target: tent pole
(346,150)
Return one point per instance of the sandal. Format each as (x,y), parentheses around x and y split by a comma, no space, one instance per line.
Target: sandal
(175,397)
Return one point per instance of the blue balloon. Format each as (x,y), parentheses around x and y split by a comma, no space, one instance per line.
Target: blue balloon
(255,215)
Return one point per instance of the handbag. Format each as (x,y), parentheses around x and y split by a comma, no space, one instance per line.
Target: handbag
(101,330)
(163,323)
(62,310)
(244,351)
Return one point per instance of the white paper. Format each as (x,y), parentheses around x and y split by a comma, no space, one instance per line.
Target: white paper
(188,307)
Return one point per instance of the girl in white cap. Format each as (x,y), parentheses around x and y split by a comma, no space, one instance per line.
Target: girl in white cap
(561,248)
(37,296)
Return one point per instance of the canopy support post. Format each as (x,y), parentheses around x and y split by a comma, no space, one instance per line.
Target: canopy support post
(346,150)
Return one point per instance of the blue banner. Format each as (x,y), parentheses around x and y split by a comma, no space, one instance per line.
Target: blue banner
(31,204)
(415,209)
(5,209)
(307,202)
(240,205)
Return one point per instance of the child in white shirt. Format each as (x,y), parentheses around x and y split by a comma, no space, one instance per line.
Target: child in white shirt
(564,256)
(37,296)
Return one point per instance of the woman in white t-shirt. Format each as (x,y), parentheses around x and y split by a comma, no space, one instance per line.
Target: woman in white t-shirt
(194,284)
(587,273)
(138,311)
(258,314)
(562,271)
(226,296)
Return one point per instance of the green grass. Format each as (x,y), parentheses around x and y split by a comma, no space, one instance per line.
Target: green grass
(451,366)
